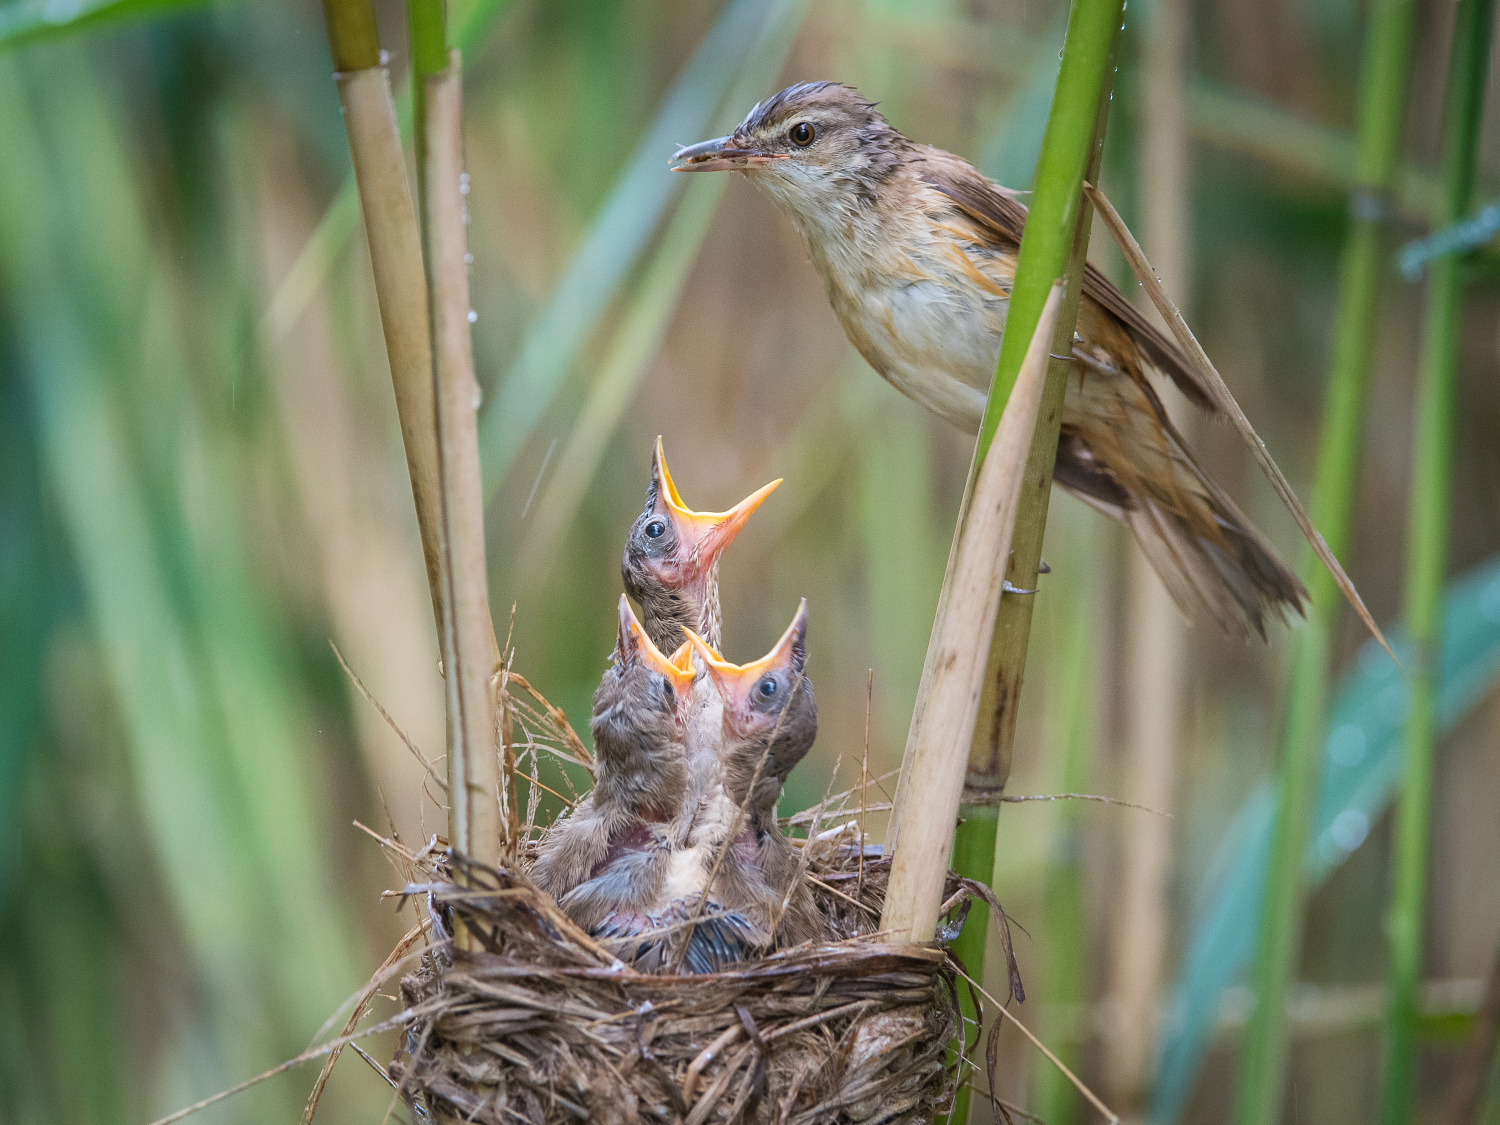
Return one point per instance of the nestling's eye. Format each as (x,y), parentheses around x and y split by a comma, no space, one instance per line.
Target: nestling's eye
(656,529)
(802,134)
(767,687)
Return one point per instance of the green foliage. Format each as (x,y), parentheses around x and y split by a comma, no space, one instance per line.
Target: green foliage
(1362,760)
(1427,561)
(619,234)
(1364,268)
(26,21)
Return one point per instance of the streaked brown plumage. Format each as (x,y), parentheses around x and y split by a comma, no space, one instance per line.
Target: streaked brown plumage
(917,250)
(671,559)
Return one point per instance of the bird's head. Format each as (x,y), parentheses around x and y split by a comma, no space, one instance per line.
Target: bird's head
(671,550)
(668,680)
(818,148)
(756,694)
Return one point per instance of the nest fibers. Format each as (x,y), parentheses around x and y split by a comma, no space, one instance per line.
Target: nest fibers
(543,1024)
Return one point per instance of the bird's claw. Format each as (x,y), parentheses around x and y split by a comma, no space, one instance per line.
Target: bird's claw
(1006,587)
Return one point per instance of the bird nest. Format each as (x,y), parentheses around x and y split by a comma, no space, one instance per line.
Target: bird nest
(535,1021)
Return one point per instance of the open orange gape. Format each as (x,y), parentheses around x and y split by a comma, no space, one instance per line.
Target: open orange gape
(664,950)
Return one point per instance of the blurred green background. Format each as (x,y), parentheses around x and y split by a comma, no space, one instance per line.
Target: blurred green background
(201,485)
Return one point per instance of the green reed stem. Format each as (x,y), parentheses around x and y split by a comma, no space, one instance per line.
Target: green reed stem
(1427,557)
(1363,270)
(353,39)
(1065,948)
(428,29)
(1054,245)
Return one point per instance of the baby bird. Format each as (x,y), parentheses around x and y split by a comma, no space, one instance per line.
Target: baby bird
(766,695)
(671,561)
(769,720)
(917,250)
(732,890)
(612,851)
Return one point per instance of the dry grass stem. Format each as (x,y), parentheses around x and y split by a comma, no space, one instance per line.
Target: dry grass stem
(937,761)
(361,1001)
(1093,1099)
(1022,797)
(864,770)
(555,721)
(1225,401)
(390,722)
(844,802)
(400,1019)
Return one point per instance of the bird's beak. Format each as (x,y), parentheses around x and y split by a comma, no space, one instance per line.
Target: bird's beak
(722,154)
(736,681)
(633,644)
(703,535)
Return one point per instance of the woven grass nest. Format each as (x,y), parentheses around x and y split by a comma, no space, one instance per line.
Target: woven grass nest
(542,1024)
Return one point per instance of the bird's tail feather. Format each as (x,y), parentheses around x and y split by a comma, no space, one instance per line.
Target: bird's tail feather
(1120,453)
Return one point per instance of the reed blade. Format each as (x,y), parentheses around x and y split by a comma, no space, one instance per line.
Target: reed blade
(1224,398)
(941,744)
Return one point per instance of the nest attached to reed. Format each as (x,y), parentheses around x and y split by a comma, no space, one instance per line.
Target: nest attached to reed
(542,1024)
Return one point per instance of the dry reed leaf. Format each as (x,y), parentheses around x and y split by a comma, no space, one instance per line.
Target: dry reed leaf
(1225,400)
(946,726)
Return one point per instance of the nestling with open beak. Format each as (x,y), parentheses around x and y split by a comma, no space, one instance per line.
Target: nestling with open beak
(741,863)
(769,720)
(917,250)
(671,561)
(612,852)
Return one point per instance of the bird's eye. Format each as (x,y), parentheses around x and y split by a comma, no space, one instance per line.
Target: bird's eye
(802,134)
(656,529)
(767,687)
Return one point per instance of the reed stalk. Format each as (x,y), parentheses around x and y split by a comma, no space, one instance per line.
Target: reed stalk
(1055,245)
(466,633)
(1072,714)
(1156,673)
(395,242)
(1427,557)
(1363,271)
(920,863)
(421,284)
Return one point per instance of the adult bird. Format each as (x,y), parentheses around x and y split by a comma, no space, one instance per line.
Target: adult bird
(917,250)
(671,559)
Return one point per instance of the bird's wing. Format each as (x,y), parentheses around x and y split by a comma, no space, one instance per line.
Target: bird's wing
(1001,218)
